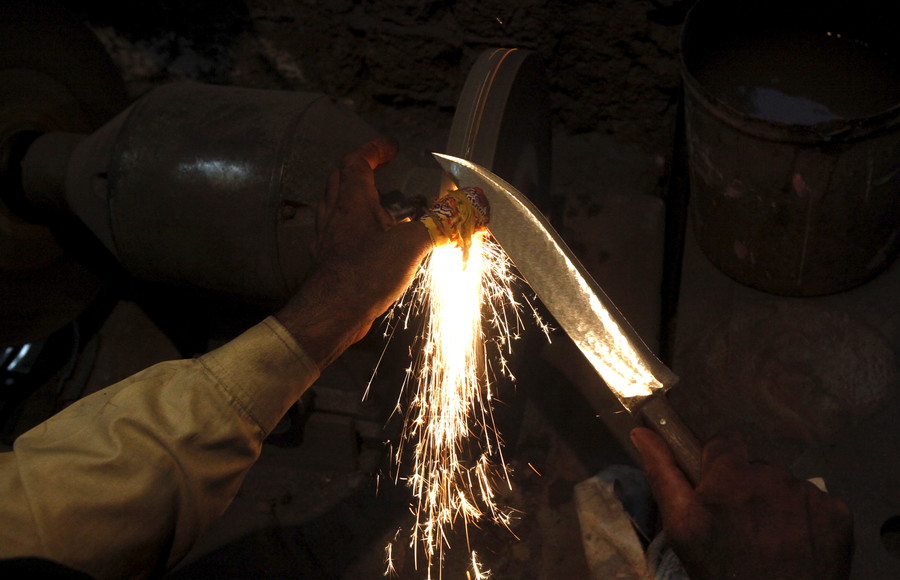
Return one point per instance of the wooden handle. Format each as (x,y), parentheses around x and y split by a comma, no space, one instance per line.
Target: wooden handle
(659,415)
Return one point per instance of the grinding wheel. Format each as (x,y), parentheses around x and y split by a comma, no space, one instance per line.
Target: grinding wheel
(502,121)
(54,76)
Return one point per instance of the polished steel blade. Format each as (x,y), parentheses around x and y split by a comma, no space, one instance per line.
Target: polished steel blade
(580,306)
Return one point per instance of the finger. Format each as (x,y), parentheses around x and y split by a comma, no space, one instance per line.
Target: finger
(672,490)
(361,163)
(326,206)
(377,151)
(823,502)
(829,517)
(385,219)
(357,168)
(330,201)
(725,450)
(325,211)
(840,507)
(321,217)
(315,245)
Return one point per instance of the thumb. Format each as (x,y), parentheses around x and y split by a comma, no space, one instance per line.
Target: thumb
(673,492)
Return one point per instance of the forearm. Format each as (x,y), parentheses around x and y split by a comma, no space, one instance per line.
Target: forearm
(325,321)
(122,483)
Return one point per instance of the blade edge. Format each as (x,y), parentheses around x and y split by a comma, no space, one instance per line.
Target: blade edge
(577,302)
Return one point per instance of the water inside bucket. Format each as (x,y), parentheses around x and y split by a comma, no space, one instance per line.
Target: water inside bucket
(799,76)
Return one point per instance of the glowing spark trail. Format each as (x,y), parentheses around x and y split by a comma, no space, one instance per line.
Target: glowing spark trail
(472,317)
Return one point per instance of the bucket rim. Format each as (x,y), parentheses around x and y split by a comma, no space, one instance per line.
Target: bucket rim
(833,131)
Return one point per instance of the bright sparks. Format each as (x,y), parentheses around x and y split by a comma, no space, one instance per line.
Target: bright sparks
(472,316)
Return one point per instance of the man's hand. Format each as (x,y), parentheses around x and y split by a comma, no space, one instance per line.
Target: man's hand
(363,260)
(746,520)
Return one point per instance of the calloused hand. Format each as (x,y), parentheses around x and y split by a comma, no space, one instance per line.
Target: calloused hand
(363,259)
(746,520)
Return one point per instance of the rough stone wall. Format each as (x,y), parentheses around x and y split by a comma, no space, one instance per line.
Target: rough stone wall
(611,64)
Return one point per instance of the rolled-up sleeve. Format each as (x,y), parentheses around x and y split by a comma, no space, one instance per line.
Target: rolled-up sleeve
(123,482)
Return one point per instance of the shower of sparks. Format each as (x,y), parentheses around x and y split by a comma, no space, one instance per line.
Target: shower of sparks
(389,560)
(389,556)
(472,316)
(479,574)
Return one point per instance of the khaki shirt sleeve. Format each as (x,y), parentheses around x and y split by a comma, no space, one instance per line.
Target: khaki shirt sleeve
(123,482)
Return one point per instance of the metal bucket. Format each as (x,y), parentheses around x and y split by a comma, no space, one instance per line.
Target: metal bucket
(792,113)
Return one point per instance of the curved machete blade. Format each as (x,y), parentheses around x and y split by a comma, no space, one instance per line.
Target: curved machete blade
(613,347)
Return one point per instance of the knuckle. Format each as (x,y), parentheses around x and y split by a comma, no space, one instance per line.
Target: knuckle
(352,163)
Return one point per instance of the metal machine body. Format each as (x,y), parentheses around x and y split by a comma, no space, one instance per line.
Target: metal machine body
(208,186)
